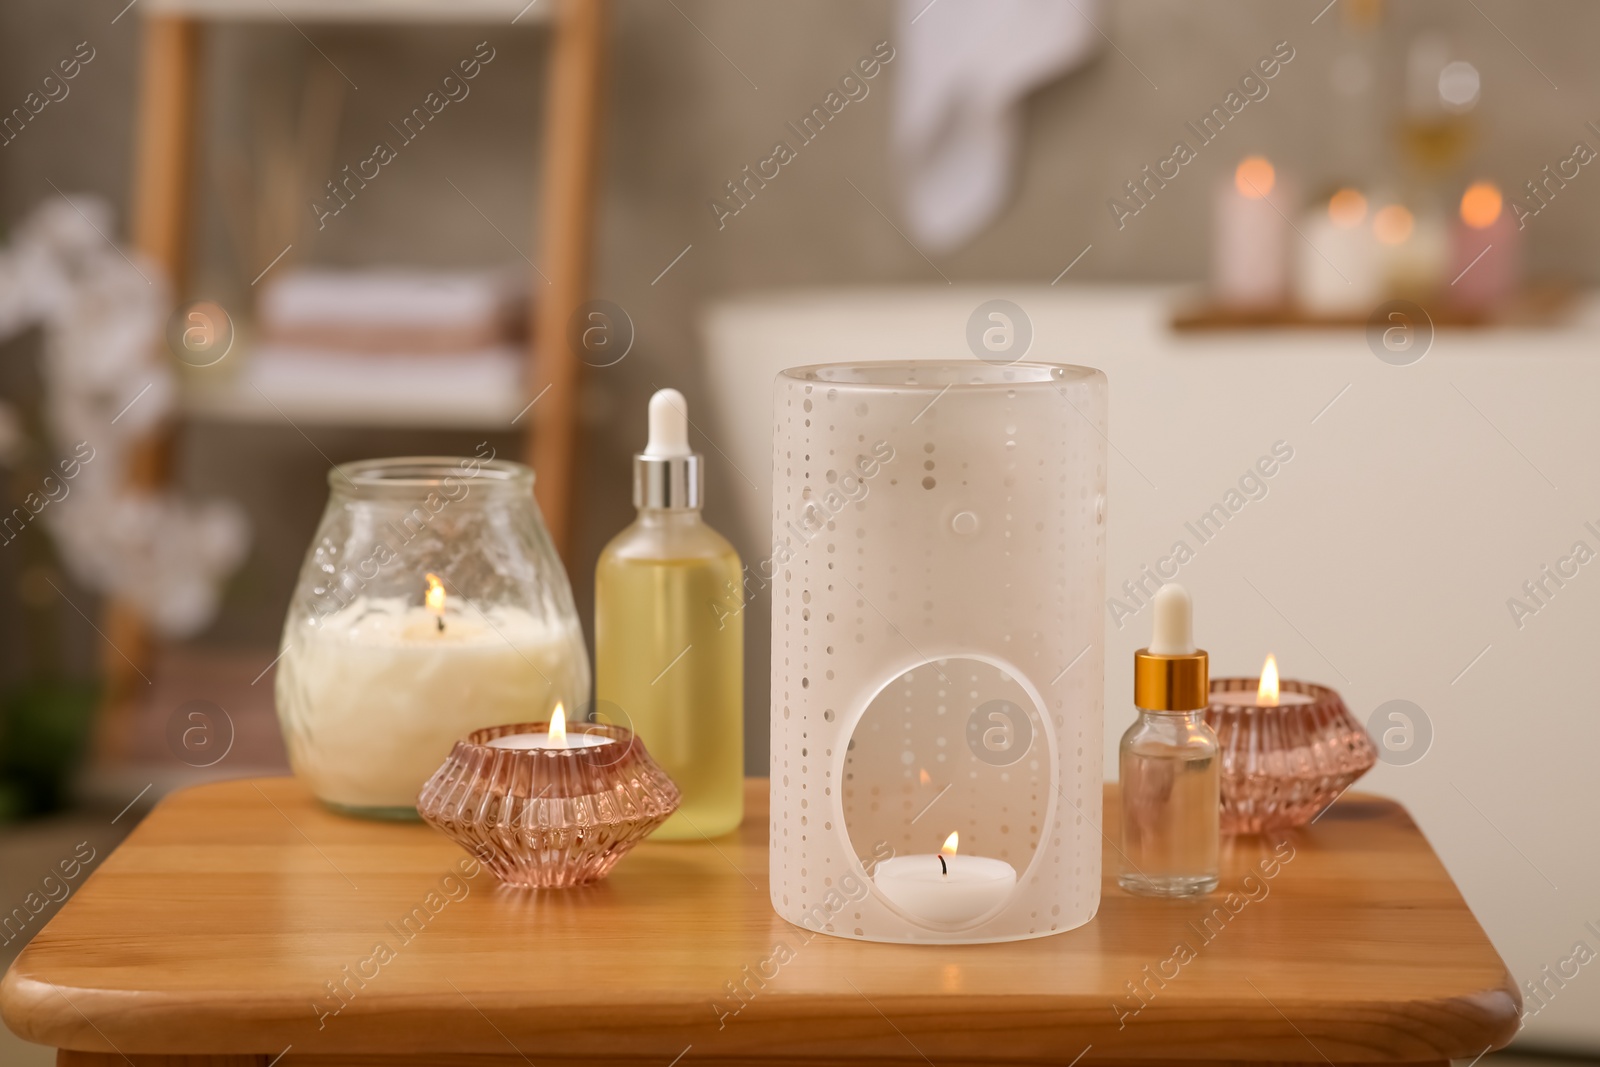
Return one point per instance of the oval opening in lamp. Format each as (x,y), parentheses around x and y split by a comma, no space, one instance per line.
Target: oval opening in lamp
(947,789)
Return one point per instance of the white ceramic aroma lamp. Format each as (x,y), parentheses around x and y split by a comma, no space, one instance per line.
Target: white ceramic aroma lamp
(938,576)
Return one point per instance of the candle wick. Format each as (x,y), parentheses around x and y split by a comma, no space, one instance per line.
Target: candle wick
(440,620)
(943,869)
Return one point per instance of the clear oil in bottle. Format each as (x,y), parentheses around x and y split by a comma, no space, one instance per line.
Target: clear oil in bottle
(1169,763)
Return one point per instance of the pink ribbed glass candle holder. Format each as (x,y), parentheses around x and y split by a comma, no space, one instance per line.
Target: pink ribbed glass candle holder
(1283,764)
(549,817)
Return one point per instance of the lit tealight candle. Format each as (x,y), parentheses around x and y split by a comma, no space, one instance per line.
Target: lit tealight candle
(1268,693)
(1415,249)
(1336,266)
(557,737)
(945,887)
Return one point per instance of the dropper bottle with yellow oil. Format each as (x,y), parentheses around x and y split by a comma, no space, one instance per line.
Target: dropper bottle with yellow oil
(669,657)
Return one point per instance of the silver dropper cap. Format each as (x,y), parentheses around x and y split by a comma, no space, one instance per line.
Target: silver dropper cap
(666,475)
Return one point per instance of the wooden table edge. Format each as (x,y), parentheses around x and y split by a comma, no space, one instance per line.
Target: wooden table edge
(53,1015)
(59,1023)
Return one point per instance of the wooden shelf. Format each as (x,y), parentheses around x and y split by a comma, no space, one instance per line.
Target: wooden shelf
(359,11)
(168,122)
(1537,305)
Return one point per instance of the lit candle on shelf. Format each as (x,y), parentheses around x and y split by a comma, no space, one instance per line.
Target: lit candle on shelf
(556,738)
(1336,268)
(1415,248)
(1392,224)
(1486,250)
(1249,251)
(1268,692)
(945,887)
(387,687)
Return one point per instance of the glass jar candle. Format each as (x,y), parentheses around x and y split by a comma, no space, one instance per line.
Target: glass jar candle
(431,604)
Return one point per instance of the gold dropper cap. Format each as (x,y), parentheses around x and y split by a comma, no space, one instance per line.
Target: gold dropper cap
(1172,675)
(1171,683)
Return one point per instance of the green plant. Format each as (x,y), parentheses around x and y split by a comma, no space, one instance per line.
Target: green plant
(44,730)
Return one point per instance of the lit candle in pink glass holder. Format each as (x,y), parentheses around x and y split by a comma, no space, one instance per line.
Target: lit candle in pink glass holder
(1288,750)
(545,806)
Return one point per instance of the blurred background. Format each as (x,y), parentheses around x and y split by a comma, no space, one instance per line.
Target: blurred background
(1344,163)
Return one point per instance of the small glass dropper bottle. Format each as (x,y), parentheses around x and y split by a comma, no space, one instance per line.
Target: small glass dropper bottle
(1169,762)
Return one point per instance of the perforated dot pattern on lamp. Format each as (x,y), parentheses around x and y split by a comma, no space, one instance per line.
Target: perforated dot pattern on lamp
(938,578)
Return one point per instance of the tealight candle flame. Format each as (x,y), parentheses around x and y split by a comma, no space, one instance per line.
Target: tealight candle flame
(1393,224)
(950,843)
(1267,691)
(1254,177)
(922,777)
(558,726)
(1347,208)
(433,599)
(1480,205)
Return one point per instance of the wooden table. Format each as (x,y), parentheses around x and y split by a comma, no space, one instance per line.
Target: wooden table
(241,922)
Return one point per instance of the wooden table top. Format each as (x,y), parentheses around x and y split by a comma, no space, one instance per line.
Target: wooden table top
(219,924)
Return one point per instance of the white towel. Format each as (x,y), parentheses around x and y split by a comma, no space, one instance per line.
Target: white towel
(966,67)
(392,310)
(474,388)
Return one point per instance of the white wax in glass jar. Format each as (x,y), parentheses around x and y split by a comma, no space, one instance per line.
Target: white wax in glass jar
(375,695)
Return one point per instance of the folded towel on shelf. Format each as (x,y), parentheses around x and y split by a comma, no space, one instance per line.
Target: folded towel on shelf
(957,115)
(443,388)
(391,311)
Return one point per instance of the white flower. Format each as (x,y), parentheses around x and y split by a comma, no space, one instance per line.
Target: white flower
(103,312)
